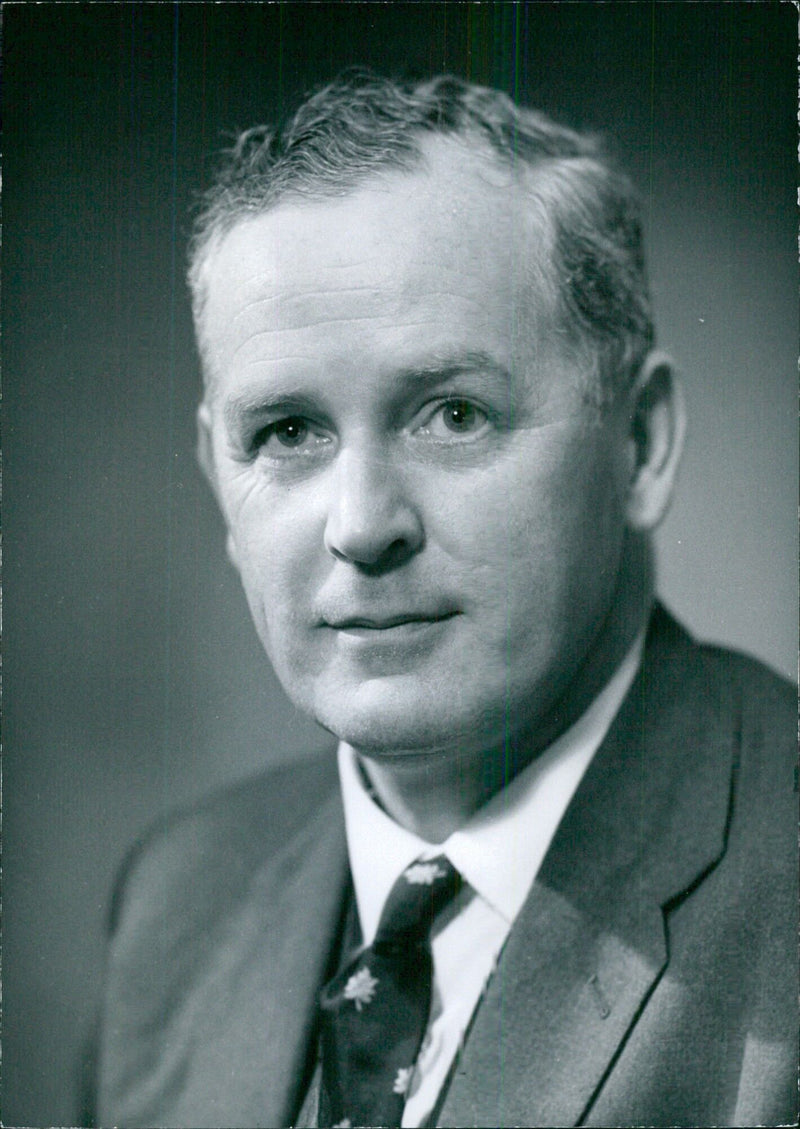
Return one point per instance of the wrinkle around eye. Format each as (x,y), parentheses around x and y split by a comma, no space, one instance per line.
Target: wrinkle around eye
(240,489)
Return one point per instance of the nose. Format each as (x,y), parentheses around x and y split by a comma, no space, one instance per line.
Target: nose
(371,520)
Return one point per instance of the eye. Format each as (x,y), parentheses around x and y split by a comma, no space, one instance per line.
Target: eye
(292,434)
(455,416)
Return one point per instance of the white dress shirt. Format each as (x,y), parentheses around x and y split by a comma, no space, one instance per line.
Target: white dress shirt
(498,853)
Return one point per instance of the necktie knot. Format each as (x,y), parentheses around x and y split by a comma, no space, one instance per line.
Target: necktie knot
(420,893)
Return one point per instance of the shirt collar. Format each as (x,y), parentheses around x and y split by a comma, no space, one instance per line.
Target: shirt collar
(500,849)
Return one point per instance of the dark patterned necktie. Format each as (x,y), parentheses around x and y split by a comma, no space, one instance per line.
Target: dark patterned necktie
(375,1011)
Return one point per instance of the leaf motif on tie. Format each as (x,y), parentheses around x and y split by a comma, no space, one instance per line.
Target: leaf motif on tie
(403,1079)
(345,1123)
(423,873)
(360,988)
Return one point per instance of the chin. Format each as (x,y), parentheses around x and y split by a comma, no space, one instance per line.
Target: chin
(384,731)
(385,721)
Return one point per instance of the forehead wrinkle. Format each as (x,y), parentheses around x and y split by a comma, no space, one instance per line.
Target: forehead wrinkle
(398,319)
(262,300)
(272,333)
(301,296)
(439,369)
(313,354)
(443,365)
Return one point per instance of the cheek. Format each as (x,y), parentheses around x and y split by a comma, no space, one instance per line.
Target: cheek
(536,528)
(273,539)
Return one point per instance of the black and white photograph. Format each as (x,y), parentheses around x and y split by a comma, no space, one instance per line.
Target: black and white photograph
(400,588)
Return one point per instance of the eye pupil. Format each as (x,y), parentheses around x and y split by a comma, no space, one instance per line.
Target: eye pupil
(291,432)
(460,415)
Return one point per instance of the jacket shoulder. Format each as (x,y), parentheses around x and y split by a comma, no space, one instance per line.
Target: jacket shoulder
(741,691)
(757,684)
(756,711)
(200,858)
(213,950)
(764,714)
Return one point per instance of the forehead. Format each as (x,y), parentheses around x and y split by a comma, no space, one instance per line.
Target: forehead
(457,242)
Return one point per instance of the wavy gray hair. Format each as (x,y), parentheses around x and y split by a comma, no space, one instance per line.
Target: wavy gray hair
(362,123)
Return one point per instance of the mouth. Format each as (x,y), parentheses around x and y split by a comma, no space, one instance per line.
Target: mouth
(388,626)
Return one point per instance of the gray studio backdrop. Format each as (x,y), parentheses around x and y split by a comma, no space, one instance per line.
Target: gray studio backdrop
(133,679)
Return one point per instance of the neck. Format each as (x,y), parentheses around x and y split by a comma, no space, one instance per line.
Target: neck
(435,794)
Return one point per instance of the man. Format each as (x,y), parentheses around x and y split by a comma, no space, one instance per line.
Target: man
(441,440)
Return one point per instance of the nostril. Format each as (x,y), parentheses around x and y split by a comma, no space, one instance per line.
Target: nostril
(395,555)
(391,556)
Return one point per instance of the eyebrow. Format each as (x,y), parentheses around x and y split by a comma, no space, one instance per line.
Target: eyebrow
(253,405)
(238,413)
(450,366)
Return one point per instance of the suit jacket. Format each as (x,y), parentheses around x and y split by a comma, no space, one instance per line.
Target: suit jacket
(650,978)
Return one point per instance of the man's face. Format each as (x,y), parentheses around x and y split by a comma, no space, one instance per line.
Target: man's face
(424,512)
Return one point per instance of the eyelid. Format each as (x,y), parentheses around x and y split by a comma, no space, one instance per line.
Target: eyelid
(433,407)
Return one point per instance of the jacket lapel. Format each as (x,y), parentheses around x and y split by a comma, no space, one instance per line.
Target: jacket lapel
(560,1003)
(257,1004)
(306,896)
(589,944)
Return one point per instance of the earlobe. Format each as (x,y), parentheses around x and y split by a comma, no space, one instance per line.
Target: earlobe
(230,549)
(205,451)
(657,417)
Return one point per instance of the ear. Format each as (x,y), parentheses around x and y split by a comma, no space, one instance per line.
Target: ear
(205,457)
(657,425)
(205,448)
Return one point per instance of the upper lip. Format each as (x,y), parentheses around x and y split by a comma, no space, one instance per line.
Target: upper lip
(381,622)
